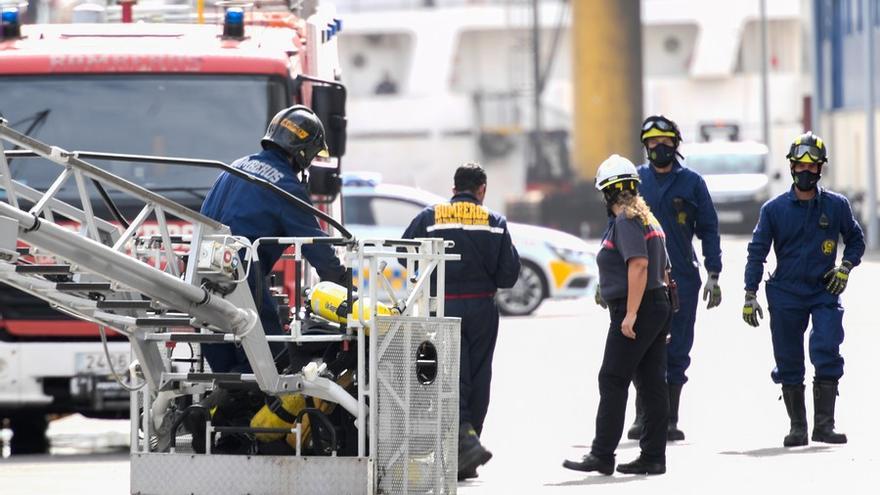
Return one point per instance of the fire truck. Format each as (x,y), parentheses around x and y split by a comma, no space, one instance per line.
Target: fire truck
(204,90)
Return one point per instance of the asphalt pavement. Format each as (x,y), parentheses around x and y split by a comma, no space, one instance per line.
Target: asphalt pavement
(544,401)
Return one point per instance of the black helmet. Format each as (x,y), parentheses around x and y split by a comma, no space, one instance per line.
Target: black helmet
(658,125)
(299,132)
(808,148)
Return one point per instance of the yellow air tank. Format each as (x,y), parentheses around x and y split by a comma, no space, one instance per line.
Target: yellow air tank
(328,300)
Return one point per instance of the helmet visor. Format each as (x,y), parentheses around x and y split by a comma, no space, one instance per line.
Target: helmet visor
(661,124)
(812,153)
(624,181)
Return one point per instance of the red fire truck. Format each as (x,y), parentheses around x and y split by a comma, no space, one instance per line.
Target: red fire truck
(186,90)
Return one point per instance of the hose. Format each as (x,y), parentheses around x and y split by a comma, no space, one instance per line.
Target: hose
(119,380)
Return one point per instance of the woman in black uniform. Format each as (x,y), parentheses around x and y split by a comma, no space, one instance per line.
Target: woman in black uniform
(632,281)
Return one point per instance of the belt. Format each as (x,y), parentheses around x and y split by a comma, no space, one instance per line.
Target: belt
(656,293)
(474,295)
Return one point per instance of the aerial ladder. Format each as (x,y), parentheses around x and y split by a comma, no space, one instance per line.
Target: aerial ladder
(163,289)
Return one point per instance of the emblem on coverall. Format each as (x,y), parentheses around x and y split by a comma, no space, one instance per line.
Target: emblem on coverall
(828,246)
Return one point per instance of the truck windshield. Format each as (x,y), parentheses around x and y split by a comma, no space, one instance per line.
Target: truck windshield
(733,163)
(219,117)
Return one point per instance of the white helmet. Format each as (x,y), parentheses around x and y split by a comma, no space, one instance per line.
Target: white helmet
(615,169)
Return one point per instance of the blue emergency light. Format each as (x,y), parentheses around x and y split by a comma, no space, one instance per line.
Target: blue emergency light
(10,25)
(233,23)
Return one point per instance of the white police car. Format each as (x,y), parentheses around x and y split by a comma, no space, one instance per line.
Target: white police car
(554,264)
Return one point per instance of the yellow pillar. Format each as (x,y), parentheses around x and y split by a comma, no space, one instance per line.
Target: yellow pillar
(607,72)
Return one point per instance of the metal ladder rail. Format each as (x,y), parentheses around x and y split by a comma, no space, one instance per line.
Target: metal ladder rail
(235,314)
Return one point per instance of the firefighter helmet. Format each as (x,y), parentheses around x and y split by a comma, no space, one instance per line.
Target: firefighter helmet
(808,148)
(617,170)
(657,126)
(299,132)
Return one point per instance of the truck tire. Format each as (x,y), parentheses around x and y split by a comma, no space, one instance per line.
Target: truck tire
(29,433)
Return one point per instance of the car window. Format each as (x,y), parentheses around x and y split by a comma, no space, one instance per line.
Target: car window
(356,211)
(726,163)
(394,212)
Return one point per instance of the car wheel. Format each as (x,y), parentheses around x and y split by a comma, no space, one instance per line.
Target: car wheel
(29,433)
(526,295)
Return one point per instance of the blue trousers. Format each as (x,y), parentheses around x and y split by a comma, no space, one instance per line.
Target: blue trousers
(682,332)
(479,332)
(230,358)
(789,316)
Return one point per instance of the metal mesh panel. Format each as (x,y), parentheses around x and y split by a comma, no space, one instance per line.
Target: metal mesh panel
(417,449)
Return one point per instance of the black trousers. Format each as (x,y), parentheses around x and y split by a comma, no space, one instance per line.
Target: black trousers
(645,358)
(479,331)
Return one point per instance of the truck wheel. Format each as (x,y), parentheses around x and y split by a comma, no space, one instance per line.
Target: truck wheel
(523,298)
(29,433)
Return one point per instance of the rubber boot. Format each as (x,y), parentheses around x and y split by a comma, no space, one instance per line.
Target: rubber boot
(793,396)
(635,431)
(673,434)
(824,396)
(471,453)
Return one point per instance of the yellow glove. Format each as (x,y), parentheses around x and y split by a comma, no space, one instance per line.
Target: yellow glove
(837,278)
(752,310)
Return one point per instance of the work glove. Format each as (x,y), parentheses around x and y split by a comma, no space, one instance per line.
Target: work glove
(751,309)
(837,277)
(712,291)
(599,300)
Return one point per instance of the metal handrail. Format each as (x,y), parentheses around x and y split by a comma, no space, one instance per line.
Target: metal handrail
(194,162)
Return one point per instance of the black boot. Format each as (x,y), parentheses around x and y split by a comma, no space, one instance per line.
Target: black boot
(824,396)
(793,396)
(641,466)
(471,453)
(635,431)
(466,475)
(673,434)
(591,463)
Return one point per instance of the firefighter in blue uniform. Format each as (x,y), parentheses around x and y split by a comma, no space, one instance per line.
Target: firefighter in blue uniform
(294,137)
(489,261)
(679,199)
(804,226)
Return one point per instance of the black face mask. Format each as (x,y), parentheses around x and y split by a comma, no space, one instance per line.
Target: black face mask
(661,155)
(805,180)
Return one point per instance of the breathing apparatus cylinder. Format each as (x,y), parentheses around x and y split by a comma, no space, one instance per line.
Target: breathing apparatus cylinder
(283,412)
(330,301)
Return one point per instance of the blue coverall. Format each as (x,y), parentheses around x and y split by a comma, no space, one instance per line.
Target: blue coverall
(489,261)
(804,235)
(253,212)
(680,200)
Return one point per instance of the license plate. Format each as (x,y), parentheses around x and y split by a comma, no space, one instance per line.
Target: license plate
(730,216)
(95,363)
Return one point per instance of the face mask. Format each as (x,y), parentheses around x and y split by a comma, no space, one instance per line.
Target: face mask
(805,180)
(661,155)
